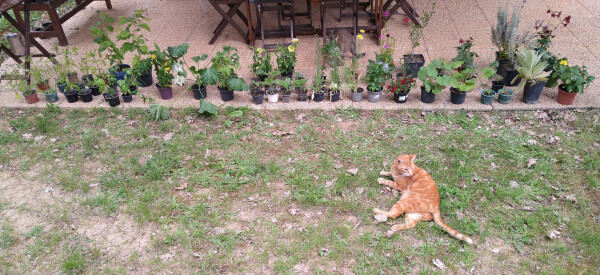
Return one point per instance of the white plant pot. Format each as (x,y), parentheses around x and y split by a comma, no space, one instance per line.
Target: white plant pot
(273,98)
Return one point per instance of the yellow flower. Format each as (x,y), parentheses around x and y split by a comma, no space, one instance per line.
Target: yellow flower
(166,63)
(153,56)
(564,62)
(360,37)
(362,31)
(167,69)
(291,48)
(295,40)
(259,50)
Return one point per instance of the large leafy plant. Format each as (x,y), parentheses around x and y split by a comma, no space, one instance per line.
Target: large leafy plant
(435,75)
(378,72)
(465,80)
(261,62)
(573,79)
(167,65)
(531,68)
(226,62)
(286,57)
(203,76)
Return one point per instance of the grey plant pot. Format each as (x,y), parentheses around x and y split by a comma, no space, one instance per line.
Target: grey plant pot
(374,97)
(358,96)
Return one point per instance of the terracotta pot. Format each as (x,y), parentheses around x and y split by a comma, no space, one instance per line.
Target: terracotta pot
(33,98)
(565,98)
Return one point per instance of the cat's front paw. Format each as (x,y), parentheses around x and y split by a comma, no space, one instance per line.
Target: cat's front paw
(384,173)
(377,211)
(390,233)
(381,180)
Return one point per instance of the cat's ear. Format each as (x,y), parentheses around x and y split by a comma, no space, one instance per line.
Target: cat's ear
(412,157)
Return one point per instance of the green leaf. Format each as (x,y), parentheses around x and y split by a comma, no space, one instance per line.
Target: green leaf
(488,72)
(210,76)
(124,35)
(159,112)
(237,84)
(178,51)
(200,58)
(207,108)
(145,26)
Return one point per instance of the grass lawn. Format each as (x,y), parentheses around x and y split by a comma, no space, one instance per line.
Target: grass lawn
(111,191)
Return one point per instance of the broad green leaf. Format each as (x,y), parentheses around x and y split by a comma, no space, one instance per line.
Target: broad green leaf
(210,76)
(237,84)
(207,108)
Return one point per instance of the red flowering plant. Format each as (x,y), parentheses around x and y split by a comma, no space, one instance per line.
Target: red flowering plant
(544,33)
(401,84)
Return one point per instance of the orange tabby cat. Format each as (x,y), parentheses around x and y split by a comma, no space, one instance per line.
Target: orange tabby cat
(420,198)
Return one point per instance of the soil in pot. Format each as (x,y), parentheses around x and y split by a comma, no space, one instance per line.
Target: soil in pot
(487,96)
(165,92)
(145,79)
(318,97)
(32,98)
(374,96)
(358,95)
(565,98)
(226,95)
(504,96)
(85,95)
(400,97)
(199,91)
(51,97)
(532,93)
(71,96)
(415,62)
(427,97)
(457,97)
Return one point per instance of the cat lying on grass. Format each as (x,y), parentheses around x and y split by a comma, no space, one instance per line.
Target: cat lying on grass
(420,198)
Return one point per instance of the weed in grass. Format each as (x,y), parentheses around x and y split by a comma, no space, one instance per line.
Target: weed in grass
(73,261)
(7,236)
(34,232)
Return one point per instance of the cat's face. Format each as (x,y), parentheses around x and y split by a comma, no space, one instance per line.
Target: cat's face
(404,165)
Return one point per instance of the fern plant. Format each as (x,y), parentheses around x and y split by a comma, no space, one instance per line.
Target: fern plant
(159,112)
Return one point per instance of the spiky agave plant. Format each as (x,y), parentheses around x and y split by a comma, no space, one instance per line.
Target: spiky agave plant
(530,68)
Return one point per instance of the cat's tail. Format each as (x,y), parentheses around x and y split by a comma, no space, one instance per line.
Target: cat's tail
(437,217)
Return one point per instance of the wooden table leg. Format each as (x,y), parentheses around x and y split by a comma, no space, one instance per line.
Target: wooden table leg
(250,27)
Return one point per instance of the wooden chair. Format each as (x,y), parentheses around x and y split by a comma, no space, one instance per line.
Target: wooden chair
(405,6)
(279,6)
(228,18)
(338,4)
(56,29)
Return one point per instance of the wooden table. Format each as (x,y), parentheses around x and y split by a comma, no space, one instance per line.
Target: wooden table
(5,6)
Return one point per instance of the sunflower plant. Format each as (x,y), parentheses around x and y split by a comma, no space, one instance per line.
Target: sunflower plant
(167,65)
(286,58)
(261,62)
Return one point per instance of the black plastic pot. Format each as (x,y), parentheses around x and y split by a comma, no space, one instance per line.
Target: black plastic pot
(427,97)
(287,74)
(532,93)
(400,97)
(71,96)
(497,85)
(145,80)
(509,75)
(87,79)
(199,92)
(501,64)
(302,96)
(86,95)
(318,97)
(226,95)
(95,91)
(113,100)
(335,96)
(415,62)
(457,97)
(258,98)
(127,98)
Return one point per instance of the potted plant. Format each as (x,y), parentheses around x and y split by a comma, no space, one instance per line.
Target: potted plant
(544,35)
(72,93)
(400,86)
(21,85)
(464,81)
(270,84)
(531,71)
(465,54)
(333,84)
(97,85)
(377,74)
(286,58)
(573,80)
(351,78)
(40,74)
(435,78)
(112,96)
(168,68)
(202,76)
(226,62)
(257,91)
(299,85)
(412,60)
(503,35)
(51,95)
(128,86)
(504,95)
(65,67)
(261,63)
(285,89)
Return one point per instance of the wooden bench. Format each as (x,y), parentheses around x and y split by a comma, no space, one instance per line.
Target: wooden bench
(56,29)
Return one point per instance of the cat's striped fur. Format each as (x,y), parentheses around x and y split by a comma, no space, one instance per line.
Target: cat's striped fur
(420,198)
